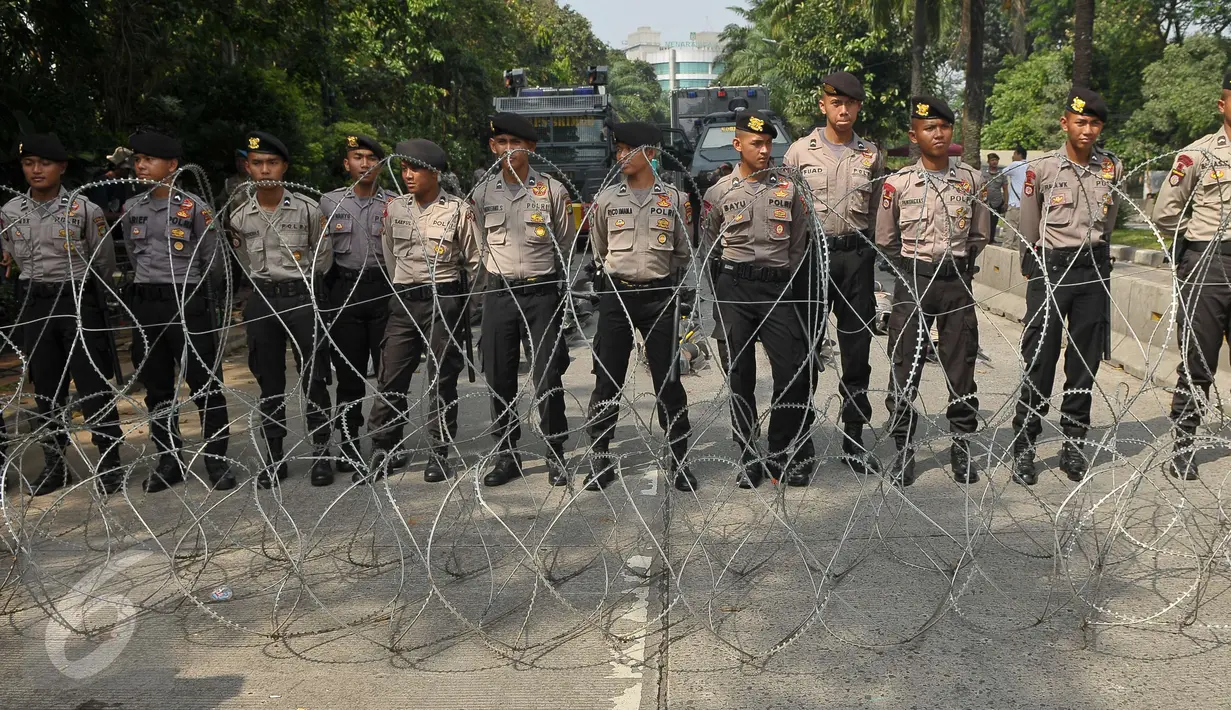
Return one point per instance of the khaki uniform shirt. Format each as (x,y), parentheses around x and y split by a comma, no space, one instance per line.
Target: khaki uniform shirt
(924,217)
(1066,205)
(170,240)
(283,245)
(354,226)
(1202,174)
(641,239)
(526,228)
(56,241)
(430,243)
(842,179)
(761,223)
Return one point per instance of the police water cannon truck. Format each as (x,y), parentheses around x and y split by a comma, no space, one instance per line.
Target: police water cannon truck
(572,123)
(707,116)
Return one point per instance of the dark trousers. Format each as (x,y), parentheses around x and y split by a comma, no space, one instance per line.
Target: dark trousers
(1078,299)
(356,331)
(167,338)
(852,298)
(273,322)
(652,313)
(752,311)
(919,301)
(56,348)
(415,329)
(991,232)
(1204,321)
(508,316)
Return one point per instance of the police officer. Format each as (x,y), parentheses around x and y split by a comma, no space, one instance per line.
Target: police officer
(1068,212)
(527,230)
(840,169)
(640,239)
(358,285)
(64,254)
(759,219)
(173,247)
(1201,176)
(431,247)
(931,226)
(281,243)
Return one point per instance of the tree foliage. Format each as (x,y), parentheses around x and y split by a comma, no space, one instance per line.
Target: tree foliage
(1180,91)
(1027,100)
(304,70)
(808,40)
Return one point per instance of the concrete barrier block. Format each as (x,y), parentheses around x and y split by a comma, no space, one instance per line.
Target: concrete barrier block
(1121,252)
(1148,257)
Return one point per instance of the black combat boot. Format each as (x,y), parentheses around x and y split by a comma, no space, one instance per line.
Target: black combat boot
(322,467)
(110,471)
(274,470)
(904,463)
(54,475)
(961,462)
(349,456)
(1072,460)
(802,464)
(375,469)
(168,472)
(508,467)
(220,476)
(1184,460)
(857,456)
(557,472)
(681,474)
(602,467)
(437,468)
(753,469)
(1023,461)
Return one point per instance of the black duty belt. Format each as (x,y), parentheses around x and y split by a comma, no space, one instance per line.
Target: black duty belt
(1087,257)
(846,242)
(163,292)
(426,292)
(49,289)
(947,268)
(283,289)
(533,285)
(750,272)
(1223,246)
(620,284)
(364,276)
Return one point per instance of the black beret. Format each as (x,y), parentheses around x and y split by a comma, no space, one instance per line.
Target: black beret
(356,142)
(1085,102)
(514,125)
(930,107)
(1226,81)
(262,142)
(425,152)
(155,145)
(42,145)
(635,134)
(755,122)
(843,83)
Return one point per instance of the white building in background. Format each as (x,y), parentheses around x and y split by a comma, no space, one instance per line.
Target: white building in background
(678,65)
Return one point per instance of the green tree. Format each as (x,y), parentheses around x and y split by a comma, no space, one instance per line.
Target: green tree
(1027,100)
(1180,91)
(823,37)
(634,89)
(788,47)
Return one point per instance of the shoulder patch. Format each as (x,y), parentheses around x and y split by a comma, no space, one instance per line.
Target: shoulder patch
(1182,163)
